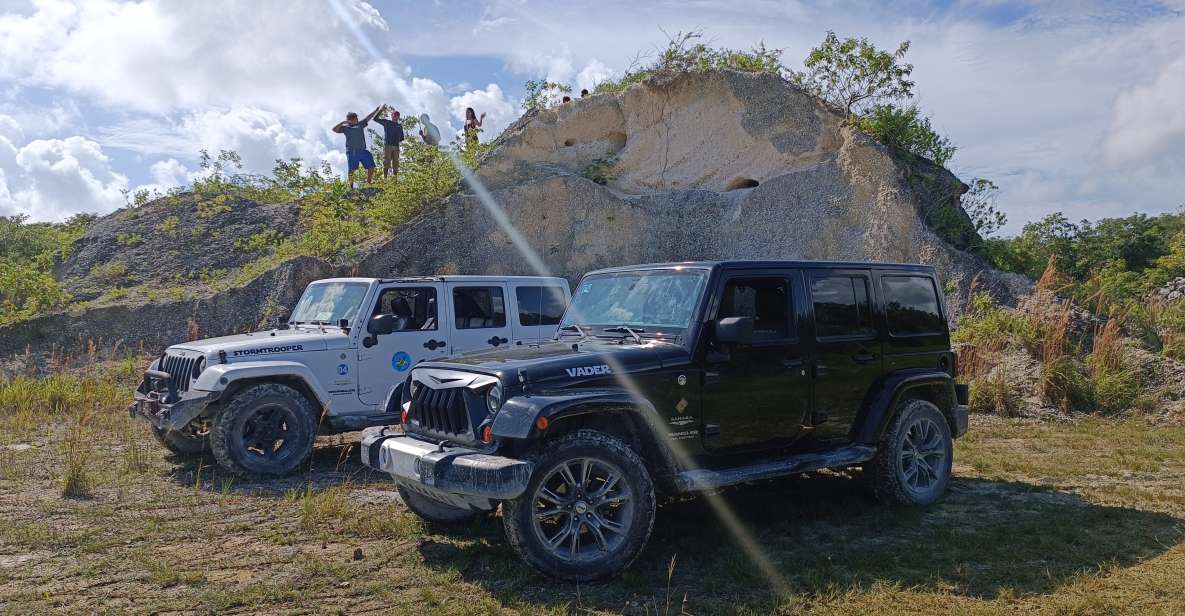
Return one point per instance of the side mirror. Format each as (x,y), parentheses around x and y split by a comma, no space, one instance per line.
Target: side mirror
(381,324)
(735,330)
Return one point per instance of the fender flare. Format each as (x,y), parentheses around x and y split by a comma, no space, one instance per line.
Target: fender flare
(884,396)
(516,419)
(219,377)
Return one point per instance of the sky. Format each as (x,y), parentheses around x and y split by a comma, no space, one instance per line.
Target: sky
(1075,106)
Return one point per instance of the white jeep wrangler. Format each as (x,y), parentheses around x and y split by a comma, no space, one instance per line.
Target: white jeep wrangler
(257,401)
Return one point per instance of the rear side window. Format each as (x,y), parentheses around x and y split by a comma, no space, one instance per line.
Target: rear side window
(765,300)
(540,305)
(479,307)
(842,307)
(911,304)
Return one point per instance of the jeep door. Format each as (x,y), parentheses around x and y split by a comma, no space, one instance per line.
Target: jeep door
(847,356)
(537,309)
(478,316)
(419,335)
(756,395)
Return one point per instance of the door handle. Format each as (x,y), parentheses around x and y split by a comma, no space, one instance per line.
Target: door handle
(495,341)
(432,345)
(791,363)
(819,370)
(863,357)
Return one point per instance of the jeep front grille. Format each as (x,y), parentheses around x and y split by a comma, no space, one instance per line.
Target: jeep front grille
(440,411)
(180,370)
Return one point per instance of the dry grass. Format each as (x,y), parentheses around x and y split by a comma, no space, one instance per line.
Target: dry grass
(1083,516)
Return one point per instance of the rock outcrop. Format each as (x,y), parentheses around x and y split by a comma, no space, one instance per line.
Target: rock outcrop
(713,165)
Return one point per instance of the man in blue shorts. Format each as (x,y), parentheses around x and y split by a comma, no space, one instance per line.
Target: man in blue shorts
(356,152)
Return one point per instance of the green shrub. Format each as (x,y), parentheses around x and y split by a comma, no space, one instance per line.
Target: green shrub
(169,226)
(684,53)
(26,291)
(906,129)
(129,239)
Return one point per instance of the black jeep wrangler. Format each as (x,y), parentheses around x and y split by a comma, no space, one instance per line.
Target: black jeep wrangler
(675,378)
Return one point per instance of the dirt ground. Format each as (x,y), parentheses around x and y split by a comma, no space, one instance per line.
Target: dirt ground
(1072,517)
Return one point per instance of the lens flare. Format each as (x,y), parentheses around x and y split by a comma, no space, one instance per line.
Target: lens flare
(681,456)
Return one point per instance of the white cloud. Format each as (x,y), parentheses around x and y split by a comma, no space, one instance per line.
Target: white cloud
(592,74)
(52,178)
(500,111)
(1148,118)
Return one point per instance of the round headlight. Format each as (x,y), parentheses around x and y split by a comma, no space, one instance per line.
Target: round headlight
(494,398)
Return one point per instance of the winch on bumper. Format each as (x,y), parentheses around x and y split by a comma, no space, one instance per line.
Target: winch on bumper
(157,401)
(453,475)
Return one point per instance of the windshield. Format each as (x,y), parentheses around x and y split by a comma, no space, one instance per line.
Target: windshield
(326,303)
(658,301)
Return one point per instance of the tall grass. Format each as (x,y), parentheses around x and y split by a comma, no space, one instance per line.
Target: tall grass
(1079,371)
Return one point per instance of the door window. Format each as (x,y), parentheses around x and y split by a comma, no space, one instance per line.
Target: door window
(911,303)
(479,307)
(540,305)
(413,307)
(842,308)
(765,300)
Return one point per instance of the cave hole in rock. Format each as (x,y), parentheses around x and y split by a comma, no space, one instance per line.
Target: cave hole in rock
(740,182)
(569,142)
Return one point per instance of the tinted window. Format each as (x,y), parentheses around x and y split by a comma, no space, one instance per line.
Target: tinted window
(540,305)
(765,300)
(911,303)
(413,307)
(478,307)
(841,306)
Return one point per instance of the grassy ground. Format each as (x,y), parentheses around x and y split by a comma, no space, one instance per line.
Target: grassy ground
(1080,517)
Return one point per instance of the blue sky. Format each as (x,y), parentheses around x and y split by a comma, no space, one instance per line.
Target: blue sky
(1074,106)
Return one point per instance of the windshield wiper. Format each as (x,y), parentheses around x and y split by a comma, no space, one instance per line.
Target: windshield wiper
(575,328)
(626,329)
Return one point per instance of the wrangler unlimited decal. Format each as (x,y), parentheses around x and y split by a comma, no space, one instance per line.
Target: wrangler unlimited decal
(265,350)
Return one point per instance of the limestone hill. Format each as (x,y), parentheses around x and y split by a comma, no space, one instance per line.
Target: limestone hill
(709,165)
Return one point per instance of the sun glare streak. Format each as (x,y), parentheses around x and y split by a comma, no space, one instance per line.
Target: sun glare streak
(682,458)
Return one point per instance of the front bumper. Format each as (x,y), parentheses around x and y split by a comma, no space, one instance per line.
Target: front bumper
(453,475)
(172,416)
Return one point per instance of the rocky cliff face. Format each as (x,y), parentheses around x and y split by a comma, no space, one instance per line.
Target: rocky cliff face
(700,166)
(703,166)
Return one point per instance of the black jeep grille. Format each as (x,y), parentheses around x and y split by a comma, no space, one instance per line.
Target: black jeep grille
(440,411)
(180,370)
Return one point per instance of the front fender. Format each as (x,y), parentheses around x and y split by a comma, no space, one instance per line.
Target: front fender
(220,376)
(883,397)
(516,418)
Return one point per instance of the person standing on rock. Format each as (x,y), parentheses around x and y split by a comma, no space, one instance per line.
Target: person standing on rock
(392,137)
(356,152)
(428,131)
(472,127)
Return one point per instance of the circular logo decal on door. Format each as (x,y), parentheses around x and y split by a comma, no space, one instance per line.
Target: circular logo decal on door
(401,361)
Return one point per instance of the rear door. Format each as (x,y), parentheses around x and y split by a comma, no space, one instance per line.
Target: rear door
(537,309)
(756,396)
(420,335)
(916,323)
(847,355)
(478,316)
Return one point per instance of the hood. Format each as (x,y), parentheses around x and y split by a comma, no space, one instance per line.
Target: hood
(257,345)
(568,360)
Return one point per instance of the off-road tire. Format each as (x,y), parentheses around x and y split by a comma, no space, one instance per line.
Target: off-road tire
(887,470)
(181,443)
(226,435)
(436,512)
(518,514)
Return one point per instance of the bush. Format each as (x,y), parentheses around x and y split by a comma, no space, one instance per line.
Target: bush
(683,53)
(853,74)
(906,129)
